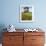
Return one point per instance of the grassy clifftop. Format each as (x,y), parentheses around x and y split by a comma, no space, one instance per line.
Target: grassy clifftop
(27,16)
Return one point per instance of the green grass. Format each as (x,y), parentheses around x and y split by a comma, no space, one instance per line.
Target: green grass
(27,16)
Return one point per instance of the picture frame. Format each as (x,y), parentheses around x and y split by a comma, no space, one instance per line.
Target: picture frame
(27,13)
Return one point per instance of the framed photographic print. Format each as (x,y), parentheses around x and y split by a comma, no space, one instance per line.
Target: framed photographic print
(26,13)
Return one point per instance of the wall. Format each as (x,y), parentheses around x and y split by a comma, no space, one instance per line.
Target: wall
(10,13)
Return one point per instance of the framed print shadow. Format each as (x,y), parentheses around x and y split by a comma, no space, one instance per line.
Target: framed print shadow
(26,13)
